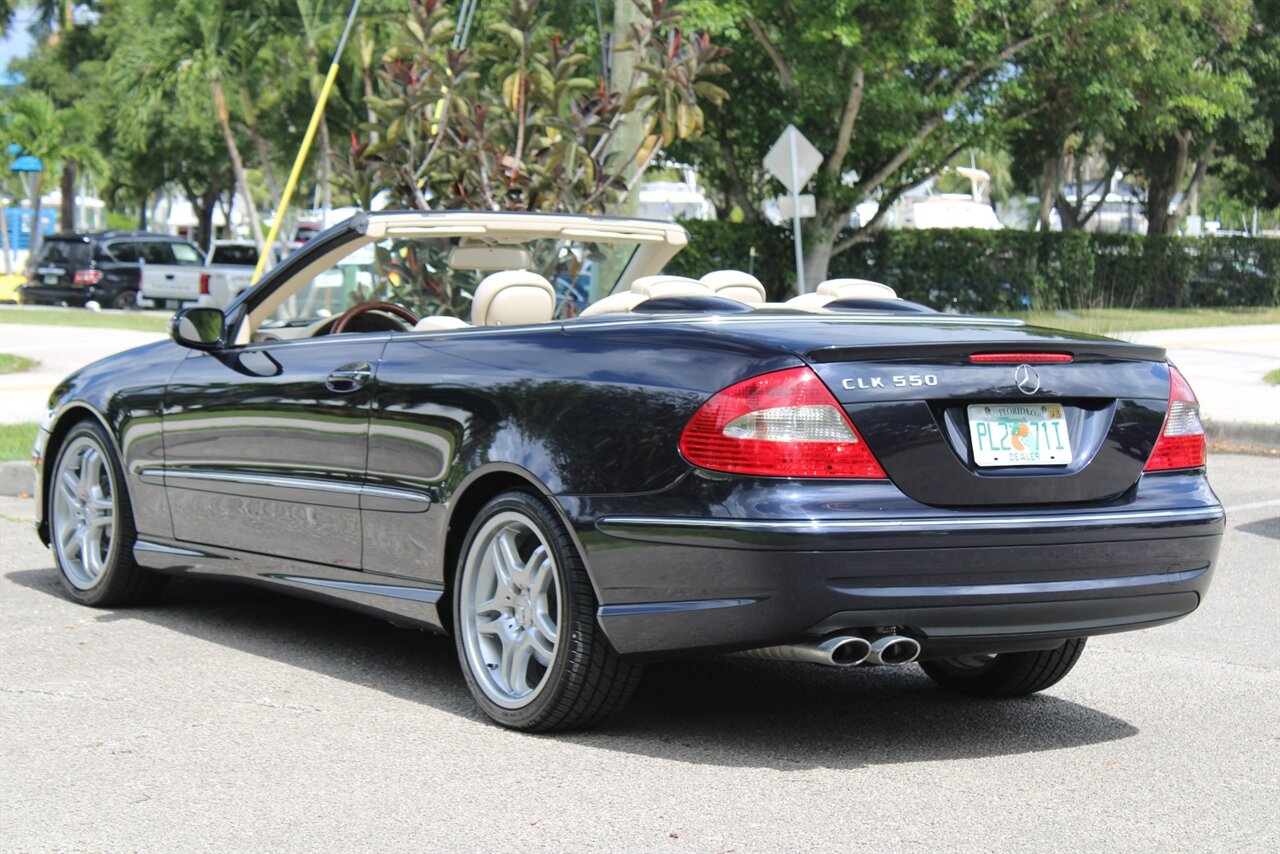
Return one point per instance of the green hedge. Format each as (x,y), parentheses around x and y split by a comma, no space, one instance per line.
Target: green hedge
(976,270)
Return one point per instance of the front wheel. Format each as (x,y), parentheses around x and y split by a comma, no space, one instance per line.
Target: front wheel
(525,623)
(91,524)
(1010,674)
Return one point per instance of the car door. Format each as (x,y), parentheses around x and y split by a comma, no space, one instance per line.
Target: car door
(265,446)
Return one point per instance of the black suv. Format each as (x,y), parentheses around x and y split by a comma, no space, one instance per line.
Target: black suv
(104,267)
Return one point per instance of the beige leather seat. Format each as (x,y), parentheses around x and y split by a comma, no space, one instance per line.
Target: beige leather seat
(436,322)
(809,302)
(735,285)
(513,298)
(657,287)
(834,289)
(856,289)
(647,288)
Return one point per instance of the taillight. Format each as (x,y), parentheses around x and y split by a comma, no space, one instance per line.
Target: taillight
(1181,442)
(204,284)
(87,277)
(781,424)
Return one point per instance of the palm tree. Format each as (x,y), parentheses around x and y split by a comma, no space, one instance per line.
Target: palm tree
(56,136)
(192,46)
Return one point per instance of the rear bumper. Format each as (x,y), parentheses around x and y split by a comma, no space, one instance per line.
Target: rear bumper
(56,295)
(957,582)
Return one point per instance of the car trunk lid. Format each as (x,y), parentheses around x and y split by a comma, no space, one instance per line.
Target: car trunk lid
(1024,420)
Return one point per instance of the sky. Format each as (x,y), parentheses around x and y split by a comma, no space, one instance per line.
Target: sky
(18,42)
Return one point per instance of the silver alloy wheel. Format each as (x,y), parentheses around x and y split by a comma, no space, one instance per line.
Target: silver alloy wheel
(510,609)
(85,525)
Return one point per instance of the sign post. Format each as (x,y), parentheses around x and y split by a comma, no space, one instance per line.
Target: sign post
(793,160)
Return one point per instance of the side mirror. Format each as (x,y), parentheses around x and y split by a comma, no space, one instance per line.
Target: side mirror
(199,327)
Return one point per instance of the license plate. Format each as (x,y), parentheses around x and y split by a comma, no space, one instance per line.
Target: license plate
(50,279)
(1019,434)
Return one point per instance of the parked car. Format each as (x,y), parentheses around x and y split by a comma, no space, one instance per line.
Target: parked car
(847,479)
(222,275)
(9,285)
(101,267)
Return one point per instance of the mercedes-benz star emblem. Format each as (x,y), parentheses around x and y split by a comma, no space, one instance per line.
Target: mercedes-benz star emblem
(1027,378)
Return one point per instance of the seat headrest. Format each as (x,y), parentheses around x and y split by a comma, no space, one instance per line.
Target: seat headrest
(735,285)
(809,302)
(856,289)
(436,322)
(654,287)
(613,304)
(513,298)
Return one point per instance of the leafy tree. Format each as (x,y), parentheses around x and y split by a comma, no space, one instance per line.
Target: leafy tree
(54,135)
(514,122)
(888,90)
(195,45)
(1192,85)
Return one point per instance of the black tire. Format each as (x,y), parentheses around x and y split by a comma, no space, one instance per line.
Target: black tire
(584,679)
(125,300)
(95,559)
(1012,674)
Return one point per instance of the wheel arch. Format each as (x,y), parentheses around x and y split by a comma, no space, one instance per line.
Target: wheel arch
(71,415)
(479,488)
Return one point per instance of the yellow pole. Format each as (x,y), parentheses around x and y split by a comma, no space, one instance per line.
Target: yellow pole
(301,159)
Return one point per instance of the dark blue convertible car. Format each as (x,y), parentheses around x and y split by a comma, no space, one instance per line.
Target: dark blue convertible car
(846,478)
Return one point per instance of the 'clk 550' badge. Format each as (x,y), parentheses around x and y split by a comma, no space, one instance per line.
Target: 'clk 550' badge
(897,381)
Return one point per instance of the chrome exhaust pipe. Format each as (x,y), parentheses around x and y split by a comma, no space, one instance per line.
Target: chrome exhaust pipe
(843,651)
(893,650)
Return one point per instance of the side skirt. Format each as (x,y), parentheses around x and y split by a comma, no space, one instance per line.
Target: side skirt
(400,600)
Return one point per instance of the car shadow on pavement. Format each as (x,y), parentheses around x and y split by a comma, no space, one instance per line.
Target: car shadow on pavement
(715,710)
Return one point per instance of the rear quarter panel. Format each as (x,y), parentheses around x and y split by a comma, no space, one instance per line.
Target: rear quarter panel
(596,410)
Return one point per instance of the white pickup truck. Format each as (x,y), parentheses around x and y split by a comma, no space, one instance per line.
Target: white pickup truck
(214,280)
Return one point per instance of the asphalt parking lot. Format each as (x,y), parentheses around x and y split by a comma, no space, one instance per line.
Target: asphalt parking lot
(226,718)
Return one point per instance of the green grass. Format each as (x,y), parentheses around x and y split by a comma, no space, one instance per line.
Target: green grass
(11,364)
(141,321)
(1105,321)
(1272,377)
(16,440)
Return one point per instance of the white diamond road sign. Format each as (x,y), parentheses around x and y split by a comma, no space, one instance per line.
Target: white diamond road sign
(807,159)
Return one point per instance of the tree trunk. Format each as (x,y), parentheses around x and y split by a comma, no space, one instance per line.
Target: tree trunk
(205,203)
(317,84)
(67,186)
(1166,168)
(366,76)
(735,192)
(818,245)
(818,237)
(4,238)
(34,245)
(1050,173)
(326,157)
(142,212)
(1191,199)
(242,180)
(259,143)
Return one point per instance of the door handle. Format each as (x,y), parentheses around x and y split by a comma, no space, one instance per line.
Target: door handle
(168,276)
(349,377)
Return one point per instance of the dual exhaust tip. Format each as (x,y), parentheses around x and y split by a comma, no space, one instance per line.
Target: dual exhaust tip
(844,651)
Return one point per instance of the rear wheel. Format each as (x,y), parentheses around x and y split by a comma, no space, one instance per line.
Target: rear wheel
(525,623)
(91,524)
(125,300)
(1012,674)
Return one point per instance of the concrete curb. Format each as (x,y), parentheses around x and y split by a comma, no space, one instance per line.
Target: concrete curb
(1243,437)
(17,478)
